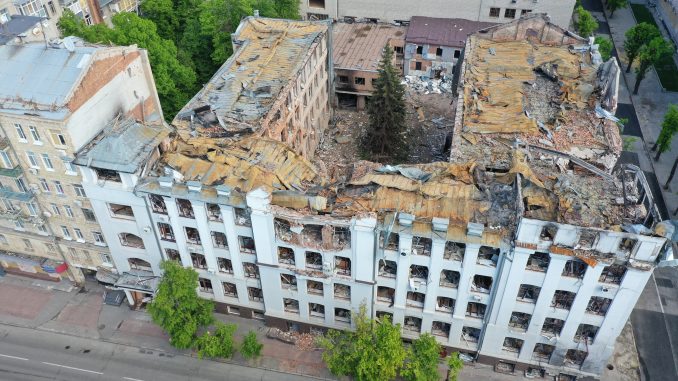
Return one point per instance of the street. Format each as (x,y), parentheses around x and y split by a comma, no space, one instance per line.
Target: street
(27,354)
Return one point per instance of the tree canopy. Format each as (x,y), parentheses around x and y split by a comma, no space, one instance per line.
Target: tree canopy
(251,347)
(586,24)
(604,47)
(648,55)
(422,360)
(177,308)
(636,37)
(613,5)
(217,344)
(668,131)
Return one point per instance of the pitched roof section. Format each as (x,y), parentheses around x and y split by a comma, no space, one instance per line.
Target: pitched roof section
(442,31)
(358,46)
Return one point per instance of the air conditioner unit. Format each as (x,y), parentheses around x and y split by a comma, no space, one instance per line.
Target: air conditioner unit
(33,171)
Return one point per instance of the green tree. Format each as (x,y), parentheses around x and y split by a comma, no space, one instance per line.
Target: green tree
(649,55)
(422,360)
(174,81)
(636,37)
(177,308)
(219,344)
(585,24)
(251,347)
(613,5)
(373,352)
(384,139)
(669,129)
(456,364)
(604,47)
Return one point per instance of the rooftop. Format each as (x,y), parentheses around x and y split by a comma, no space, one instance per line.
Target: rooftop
(442,31)
(16,26)
(358,46)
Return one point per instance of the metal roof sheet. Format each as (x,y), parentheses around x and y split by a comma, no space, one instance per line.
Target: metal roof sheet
(442,31)
(359,46)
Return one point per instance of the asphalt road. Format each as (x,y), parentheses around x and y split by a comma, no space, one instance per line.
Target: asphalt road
(27,354)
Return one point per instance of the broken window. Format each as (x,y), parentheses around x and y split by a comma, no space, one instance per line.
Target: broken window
(612,274)
(563,299)
(291,305)
(475,310)
(494,12)
(470,334)
(543,352)
(255,294)
(213,212)
(419,273)
(412,324)
(520,321)
(173,255)
(505,367)
(285,255)
(342,315)
(314,260)
(387,269)
(626,245)
(242,217)
(289,282)
(392,240)
(342,266)
(532,372)
(454,251)
(341,237)
(314,287)
(512,344)
(386,295)
(316,310)
(420,49)
(138,264)
(166,232)
(343,79)
(225,265)
(157,204)
(538,262)
(488,256)
(185,208)
(251,270)
(246,245)
(415,299)
(219,240)
(107,175)
(566,377)
(598,305)
(421,246)
(359,80)
(283,230)
(439,52)
(198,261)
(382,316)
(528,293)
(205,285)
(312,235)
(510,13)
(439,328)
(574,268)
(192,235)
(445,304)
(552,327)
(587,239)
(575,357)
(131,240)
(482,284)
(230,289)
(342,291)
(586,333)
(548,232)
(449,278)
(123,211)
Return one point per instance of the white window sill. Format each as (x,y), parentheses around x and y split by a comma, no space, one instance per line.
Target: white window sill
(22,140)
(20,229)
(100,244)
(49,169)
(71,173)
(67,238)
(80,240)
(38,143)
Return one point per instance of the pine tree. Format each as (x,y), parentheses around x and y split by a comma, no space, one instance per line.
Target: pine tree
(385,140)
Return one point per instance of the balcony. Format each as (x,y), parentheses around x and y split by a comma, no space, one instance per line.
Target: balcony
(18,196)
(14,172)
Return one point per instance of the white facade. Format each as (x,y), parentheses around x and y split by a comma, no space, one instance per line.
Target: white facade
(498,11)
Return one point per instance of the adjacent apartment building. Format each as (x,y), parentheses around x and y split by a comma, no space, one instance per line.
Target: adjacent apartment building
(54,99)
(401,11)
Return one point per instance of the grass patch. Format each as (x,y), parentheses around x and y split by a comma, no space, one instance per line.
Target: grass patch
(666,68)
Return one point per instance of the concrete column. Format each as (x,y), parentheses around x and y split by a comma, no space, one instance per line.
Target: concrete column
(263,231)
(467,271)
(205,233)
(179,234)
(402,286)
(228,217)
(512,276)
(363,247)
(435,267)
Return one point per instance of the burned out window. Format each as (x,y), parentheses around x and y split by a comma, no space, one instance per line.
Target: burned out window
(510,13)
(488,256)
(121,211)
(454,251)
(246,245)
(312,235)
(415,299)
(538,262)
(420,49)
(131,240)
(192,235)
(439,328)
(341,237)
(543,352)
(439,52)
(198,261)
(552,327)
(475,310)
(288,282)
(482,284)
(574,268)
(205,285)
(230,289)
(342,315)
(445,304)
(563,299)
(359,81)
(251,270)
(512,344)
(586,333)
(387,269)
(505,367)
(548,232)
(342,291)
(520,321)
(157,204)
(107,175)
(172,255)
(494,12)
(314,287)
(598,305)
(219,240)
(419,273)
(449,278)
(285,255)
(291,305)
(421,246)
(185,208)
(587,239)
(382,316)
(225,265)
(528,293)
(242,217)
(612,274)
(316,310)
(470,334)
(392,240)
(575,357)
(343,79)
(314,261)
(213,212)
(166,232)
(138,264)
(386,295)
(342,266)
(626,245)
(255,294)
(283,230)
(412,324)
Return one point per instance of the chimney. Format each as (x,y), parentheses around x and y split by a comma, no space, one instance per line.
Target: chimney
(256,13)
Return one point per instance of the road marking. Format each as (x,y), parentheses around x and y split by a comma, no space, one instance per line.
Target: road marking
(13,357)
(70,367)
(131,379)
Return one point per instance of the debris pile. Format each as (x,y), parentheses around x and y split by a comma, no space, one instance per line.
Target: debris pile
(302,341)
(425,85)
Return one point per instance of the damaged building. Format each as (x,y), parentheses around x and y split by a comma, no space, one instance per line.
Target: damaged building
(527,249)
